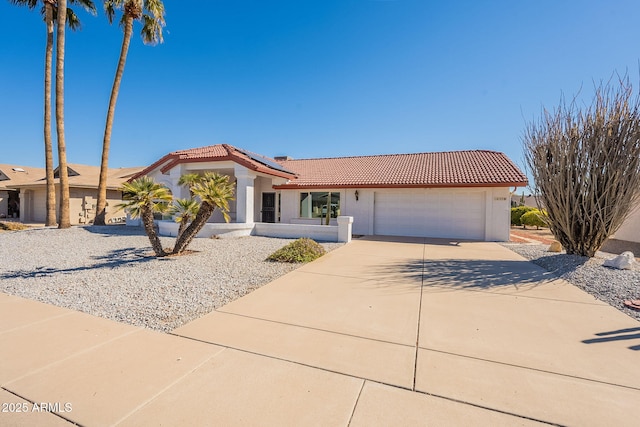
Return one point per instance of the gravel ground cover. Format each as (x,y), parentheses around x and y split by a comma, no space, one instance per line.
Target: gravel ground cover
(606,284)
(111,272)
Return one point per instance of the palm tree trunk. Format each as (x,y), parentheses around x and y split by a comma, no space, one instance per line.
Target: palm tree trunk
(201,218)
(106,142)
(48,144)
(149,227)
(181,228)
(64,221)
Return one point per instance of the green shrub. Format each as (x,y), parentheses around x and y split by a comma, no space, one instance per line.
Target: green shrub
(301,250)
(534,218)
(516,214)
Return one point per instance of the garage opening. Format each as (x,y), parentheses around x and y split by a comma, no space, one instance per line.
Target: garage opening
(430,213)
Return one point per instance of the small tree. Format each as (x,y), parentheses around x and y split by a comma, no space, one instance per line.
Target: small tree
(214,191)
(516,214)
(586,166)
(142,198)
(534,218)
(184,210)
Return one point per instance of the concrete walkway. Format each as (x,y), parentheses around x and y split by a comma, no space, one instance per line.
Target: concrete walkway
(388,332)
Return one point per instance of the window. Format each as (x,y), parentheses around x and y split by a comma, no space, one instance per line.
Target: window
(314,204)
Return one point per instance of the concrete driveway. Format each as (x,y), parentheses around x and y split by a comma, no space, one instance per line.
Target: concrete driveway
(379,332)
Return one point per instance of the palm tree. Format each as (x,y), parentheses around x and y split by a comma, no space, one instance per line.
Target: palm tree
(64,220)
(142,198)
(214,191)
(184,210)
(151,14)
(49,10)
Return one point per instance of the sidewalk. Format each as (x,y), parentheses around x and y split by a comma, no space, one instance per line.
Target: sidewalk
(402,332)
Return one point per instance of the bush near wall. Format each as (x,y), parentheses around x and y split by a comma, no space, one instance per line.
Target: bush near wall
(534,218)
(301,250)
(516,214)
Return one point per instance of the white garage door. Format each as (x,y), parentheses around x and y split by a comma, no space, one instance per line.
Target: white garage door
(430,213)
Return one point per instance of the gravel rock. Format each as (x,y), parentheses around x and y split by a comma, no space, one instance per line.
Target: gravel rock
(111,272)
(606,284)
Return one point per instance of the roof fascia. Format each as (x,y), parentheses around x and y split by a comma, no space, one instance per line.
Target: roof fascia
(231,157)
(378,186)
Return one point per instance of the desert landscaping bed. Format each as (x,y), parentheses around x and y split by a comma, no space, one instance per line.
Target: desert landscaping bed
(606,284)
(111,272)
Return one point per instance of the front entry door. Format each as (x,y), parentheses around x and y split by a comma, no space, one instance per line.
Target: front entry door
(268,207)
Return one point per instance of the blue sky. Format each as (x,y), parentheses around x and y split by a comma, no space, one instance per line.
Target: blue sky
(316,78)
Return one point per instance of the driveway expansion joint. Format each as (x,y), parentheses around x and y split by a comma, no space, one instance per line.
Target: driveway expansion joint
(497,362)
(73,355)
(32,402)
(312,329)
(38,322)
(491,409)
(415,365)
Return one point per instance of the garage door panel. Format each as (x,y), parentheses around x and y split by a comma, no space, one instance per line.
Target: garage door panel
(430,213)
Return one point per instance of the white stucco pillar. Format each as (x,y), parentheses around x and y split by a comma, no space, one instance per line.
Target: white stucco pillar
(345,223)
(178,191)
(244,194)
(23,205)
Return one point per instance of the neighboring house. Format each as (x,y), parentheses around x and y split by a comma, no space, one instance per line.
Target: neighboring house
(10,176)
(83,192)
(530,200)
(461,194)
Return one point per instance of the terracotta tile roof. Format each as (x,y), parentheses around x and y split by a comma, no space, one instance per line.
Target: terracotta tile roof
(219,153)
(445,169)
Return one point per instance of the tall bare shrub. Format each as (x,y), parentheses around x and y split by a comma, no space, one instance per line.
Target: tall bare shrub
(586,165)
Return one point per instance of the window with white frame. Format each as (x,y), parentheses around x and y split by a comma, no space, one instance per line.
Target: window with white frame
(316,204)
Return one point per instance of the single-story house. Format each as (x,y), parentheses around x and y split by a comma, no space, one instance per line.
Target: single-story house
(457,194)
(10,176)
(83,192)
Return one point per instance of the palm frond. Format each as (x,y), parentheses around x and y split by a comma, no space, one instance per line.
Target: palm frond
(216,190)
(72,20)
(149,12)
(87,5)
(144,192)
(31,4)
(189,179)
(185,209)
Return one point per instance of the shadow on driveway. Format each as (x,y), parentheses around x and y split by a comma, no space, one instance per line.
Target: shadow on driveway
(617,335)
(469,274)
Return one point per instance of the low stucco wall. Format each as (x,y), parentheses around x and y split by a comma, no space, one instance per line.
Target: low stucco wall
(170,228)
(326,233)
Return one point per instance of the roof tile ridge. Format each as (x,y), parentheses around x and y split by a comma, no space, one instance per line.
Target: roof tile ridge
(390,155)
(188,150)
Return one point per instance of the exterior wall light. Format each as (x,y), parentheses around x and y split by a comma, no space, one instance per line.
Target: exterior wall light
(357,195)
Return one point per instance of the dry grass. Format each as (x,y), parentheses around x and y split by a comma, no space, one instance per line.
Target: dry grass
(12,226)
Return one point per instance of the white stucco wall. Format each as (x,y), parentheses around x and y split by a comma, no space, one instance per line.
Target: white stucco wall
(497,205)
(630,229)
(498,214)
